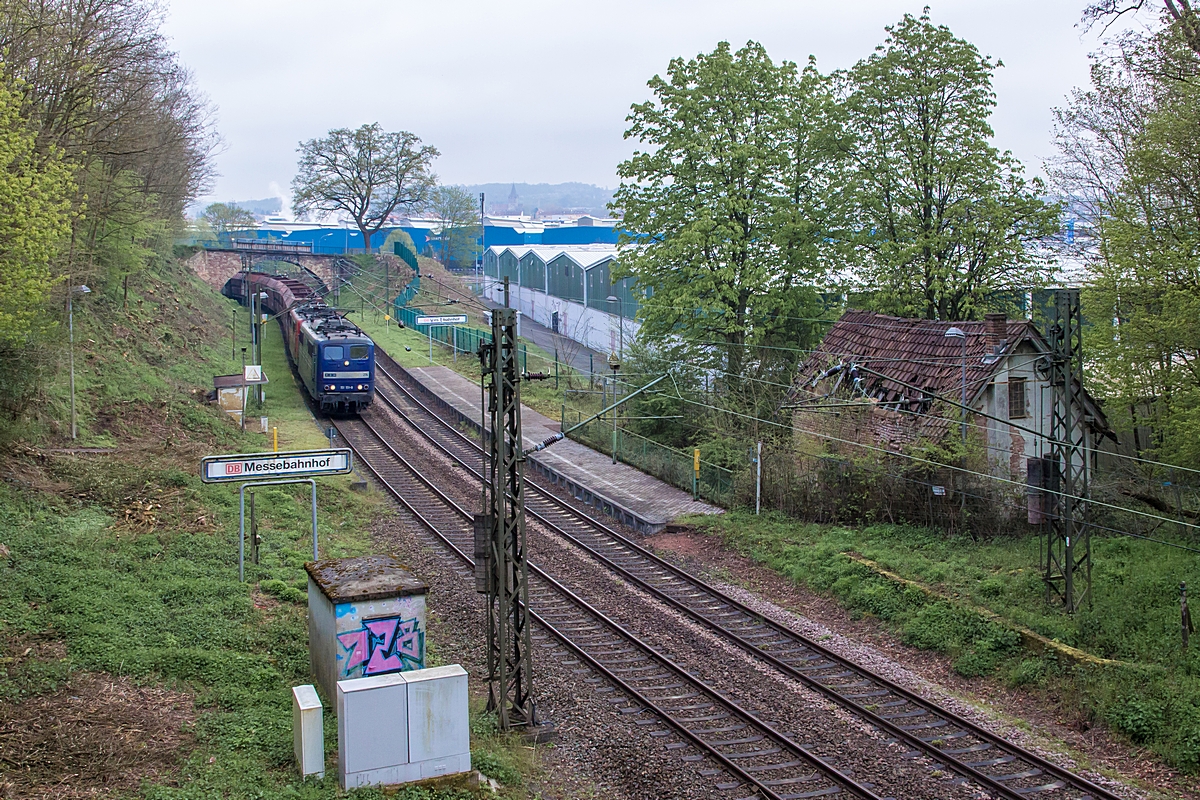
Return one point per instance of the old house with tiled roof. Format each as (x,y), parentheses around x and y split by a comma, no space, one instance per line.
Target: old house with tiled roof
(899,372)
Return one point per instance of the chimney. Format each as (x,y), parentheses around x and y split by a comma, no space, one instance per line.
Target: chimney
(995,331)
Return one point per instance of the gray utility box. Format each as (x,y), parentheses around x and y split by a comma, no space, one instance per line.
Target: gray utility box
(366,617)
(403,727)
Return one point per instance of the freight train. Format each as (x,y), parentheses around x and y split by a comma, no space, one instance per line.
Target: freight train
(334,359)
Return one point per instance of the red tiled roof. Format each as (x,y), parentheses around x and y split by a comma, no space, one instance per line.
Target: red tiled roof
(913,351)
(893,351)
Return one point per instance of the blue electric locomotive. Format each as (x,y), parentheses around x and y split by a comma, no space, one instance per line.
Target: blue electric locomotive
(333,357)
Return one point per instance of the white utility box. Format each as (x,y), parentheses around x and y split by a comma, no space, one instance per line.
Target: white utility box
(308,731)
(402,727)
(439,725)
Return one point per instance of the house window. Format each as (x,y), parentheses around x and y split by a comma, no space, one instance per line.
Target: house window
(1016,398)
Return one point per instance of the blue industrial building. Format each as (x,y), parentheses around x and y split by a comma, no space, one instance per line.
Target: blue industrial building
(497,231)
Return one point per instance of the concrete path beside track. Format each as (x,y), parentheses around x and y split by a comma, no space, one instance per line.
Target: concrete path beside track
(637,499)
(581,357)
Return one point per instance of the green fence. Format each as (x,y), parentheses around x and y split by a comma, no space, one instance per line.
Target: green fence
(406,255)
(667,464)
(463,339)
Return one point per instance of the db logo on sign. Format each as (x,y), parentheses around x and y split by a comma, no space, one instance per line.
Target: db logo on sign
(233,469)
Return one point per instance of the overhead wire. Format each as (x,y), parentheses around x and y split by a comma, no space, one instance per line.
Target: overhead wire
(958,404)
(930,462)
(918,459)
(949,361)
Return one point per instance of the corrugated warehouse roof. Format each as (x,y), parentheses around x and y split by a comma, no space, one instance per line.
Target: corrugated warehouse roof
(585,255)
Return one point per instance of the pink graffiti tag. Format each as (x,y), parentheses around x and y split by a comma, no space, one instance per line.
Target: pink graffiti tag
(386,644)
(356,643)
(383,631)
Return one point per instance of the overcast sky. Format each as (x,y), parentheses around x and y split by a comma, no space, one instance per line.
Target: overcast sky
(538,91)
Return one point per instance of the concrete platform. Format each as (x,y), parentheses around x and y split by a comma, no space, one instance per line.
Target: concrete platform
(639,500)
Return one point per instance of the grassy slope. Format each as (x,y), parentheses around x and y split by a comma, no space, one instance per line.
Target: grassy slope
(1154,699)
(132,562)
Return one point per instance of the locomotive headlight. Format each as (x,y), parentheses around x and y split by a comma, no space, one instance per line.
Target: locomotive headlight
(347,363)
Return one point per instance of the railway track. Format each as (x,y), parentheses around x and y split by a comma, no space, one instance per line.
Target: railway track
(1000,767)
(743,753)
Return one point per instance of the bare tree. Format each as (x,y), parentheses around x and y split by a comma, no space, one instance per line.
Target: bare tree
(1181,12)
(100,85)
(368,173)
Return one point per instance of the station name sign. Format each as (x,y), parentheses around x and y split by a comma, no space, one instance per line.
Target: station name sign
(445,319)
(297,464)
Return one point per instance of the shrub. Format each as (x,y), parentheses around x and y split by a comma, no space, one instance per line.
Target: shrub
(1029,672)
(979,644)
(289,594)
(495,765)
(1138,718)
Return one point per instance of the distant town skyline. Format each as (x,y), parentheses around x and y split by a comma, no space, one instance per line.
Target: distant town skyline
(539,93)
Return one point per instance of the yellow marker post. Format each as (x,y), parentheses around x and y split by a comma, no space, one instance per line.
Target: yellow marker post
(275,439)
(696,474)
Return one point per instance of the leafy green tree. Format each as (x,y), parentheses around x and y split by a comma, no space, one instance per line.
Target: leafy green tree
(726,220)
(400,236)
(368,173)
(457,234)
(226,218)
(35,214)
(1131,159)
(945,219)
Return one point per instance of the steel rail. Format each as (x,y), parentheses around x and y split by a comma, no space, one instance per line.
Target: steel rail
(840,780)
(946,753)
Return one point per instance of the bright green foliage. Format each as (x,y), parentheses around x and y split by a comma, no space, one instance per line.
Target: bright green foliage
(130,235)
(1131,153)
(400,236)
(944,219)
(35,206)
(726,208)
(457,235)
(224,218)
(1152,695)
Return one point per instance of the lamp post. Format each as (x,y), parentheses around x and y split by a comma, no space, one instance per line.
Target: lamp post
(258,392)
(82,289)
(612,298)
(614,363)
(244,388)
(959,333)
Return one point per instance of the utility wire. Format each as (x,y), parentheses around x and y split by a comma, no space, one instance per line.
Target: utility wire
(958,404)
(932,463)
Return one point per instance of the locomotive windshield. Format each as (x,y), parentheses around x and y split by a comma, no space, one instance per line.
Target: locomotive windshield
(333,353)
(358,351)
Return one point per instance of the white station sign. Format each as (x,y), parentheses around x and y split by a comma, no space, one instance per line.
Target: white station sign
(298,464)
(445,319)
